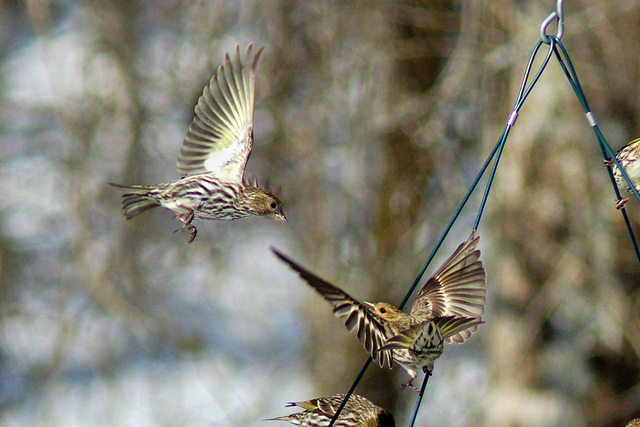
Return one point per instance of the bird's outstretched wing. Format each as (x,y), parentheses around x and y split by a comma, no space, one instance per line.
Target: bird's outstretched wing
(369,328)
(456,289)
(220,138)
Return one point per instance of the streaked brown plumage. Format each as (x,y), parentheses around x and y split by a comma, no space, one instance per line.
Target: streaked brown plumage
(213,155)
(448,308)
(628,158)
(358,411)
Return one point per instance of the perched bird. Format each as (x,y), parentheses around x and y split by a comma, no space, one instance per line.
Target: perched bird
(213,155)
(634,423)
(628,158)
(358,411)
(448,308)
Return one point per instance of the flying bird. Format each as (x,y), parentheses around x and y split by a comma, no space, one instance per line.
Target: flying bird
(213,155)
(627,156)
(358,411)
(448,308)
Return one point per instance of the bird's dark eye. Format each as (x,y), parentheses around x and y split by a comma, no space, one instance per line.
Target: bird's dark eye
(273,205)
(383,310)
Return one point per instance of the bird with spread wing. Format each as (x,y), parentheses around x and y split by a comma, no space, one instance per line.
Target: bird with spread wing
(213,155)
(448,308)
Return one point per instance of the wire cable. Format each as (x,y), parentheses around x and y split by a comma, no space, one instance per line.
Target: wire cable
(497,149)
(555,48)
(567,66)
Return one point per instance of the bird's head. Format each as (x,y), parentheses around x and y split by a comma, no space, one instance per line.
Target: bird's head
(264,203)
(385,310)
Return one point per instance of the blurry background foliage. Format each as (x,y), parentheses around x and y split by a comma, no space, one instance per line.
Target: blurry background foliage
(372,118)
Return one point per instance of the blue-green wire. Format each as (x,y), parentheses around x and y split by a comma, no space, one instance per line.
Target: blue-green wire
(607,153)
(522,96)
(524,92)
(421,273)
(498,148)
(419,401)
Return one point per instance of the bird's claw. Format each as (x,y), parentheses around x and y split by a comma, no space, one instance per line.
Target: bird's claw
(192,229)
(410,385)
(186,219)
(607,162)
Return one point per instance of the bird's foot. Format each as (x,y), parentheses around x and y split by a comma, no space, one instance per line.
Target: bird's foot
(186,217)
(607,162)
(620,203)
(191,228)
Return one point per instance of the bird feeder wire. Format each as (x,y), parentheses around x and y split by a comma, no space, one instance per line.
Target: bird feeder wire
(555,48)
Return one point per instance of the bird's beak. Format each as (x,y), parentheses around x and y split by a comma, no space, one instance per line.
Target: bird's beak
(280,218)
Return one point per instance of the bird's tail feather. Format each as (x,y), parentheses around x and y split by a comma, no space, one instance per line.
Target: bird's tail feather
(447,326)
(136,199)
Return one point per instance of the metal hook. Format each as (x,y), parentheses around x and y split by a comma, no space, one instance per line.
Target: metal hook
(558,15)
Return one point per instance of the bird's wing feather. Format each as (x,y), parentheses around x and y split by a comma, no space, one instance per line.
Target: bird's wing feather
(369,328)
(632,149)
(220,138)
(450,326)
(456,289)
